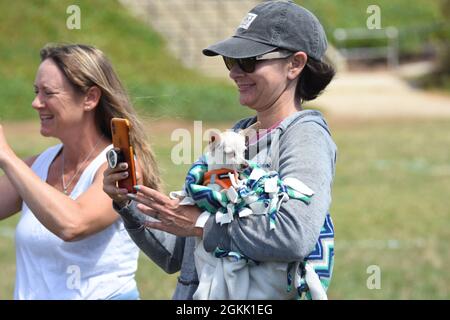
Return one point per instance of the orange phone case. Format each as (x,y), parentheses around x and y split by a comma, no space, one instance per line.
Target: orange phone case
(120,129)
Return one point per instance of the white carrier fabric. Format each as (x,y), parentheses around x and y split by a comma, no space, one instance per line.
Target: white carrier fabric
(99,266)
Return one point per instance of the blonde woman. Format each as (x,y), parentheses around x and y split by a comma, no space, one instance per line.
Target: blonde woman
(70,243)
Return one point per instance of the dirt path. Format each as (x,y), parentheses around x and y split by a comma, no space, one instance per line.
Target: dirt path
(367,95)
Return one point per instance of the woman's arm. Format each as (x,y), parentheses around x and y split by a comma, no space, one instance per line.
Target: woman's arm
(307,154)
(10,201)
(165,249)
(68,219)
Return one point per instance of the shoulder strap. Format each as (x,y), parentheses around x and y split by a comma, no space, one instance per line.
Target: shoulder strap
(273,152)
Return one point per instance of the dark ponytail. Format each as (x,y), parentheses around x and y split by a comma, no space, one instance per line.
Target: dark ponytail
(314,78)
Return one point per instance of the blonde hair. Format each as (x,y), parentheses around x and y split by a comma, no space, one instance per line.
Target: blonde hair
(85,66)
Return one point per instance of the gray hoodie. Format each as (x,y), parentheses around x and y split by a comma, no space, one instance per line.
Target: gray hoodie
(301,147)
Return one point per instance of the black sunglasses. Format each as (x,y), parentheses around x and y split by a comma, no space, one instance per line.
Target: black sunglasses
(248,65)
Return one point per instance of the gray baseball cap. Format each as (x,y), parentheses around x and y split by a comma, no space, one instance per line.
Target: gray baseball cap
(271,25)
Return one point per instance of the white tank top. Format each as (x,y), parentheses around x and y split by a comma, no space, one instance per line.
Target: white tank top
(97,267)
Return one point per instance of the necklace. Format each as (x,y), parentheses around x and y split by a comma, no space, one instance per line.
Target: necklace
(66,187)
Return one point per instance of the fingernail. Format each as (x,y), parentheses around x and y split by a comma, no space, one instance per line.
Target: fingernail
(131,196)
(123,165)
(136,187)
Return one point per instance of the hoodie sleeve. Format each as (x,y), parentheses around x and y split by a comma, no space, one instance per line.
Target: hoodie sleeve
(306,152)
(165,249)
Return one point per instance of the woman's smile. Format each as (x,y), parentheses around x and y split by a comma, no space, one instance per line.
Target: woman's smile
(243,87)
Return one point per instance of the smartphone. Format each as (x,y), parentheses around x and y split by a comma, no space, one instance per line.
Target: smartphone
(120,129)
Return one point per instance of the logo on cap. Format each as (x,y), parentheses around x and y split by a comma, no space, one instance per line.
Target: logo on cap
(247,21)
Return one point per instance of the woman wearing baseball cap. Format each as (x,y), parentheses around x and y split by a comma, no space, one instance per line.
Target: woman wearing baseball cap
(276,60)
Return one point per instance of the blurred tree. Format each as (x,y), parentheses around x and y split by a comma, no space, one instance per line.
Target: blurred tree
(441,77)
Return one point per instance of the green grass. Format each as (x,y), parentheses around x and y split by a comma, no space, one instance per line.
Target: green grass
(390,209)
(157,82)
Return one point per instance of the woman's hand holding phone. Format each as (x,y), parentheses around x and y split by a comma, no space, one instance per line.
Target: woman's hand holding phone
(119,178)
(110,178)
(123,152)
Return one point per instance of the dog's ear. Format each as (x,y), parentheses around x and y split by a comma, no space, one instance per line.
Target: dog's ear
(251,130)
(214,138)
